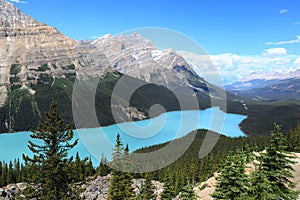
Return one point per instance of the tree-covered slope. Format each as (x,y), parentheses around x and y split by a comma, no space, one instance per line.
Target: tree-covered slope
(25,105)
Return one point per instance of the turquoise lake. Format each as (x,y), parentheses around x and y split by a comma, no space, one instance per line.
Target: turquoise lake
(97,141)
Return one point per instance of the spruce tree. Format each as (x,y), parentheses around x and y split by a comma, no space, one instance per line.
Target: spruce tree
(89,169)
(276,164)
(121,182)
(53,140)
(1,172)
(293,139)
(4,174)
(127,176)
(146,190)
(232,183)
(10,173)
(260,187)
(169,188)
(149,189)
(188,193)
(103,168)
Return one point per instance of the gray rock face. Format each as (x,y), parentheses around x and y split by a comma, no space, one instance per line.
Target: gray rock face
(11,191)
(97,189)
(94,189)
(138,57)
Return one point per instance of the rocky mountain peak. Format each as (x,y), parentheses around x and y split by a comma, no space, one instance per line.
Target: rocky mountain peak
(29,48)
(12,17)
(23,40)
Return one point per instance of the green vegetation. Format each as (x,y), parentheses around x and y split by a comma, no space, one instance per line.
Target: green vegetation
(190,168)
(188,193)
(262,115)
(61,89)
(43,68)
(293,139)
(146,190)
(276,164)
(203,186)
(54,172)
(71,76)
(14,79)
(120,187)
(30,78)
(271,178)
(68,67)
(15,69)
(232,182)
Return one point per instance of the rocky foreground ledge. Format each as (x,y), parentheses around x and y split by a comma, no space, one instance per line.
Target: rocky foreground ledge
(96,188)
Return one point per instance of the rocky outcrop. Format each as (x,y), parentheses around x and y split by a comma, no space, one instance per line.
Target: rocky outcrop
(95,188)
(11,191)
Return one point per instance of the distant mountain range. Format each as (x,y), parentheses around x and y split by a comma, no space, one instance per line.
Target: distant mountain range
(269,87)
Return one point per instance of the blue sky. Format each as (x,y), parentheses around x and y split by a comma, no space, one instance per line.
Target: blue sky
(222,27)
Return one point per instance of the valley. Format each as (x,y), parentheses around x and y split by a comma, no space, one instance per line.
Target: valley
(114,116)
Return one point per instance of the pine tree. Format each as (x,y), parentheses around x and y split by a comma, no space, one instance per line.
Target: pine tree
(17,170)
(77,168)
(50,157)
(4,174)
(89,169)
(232,183)
(146,190)
(293,139)
(149,189)
(121,182)
(260,187)
(10,173)
(169,188)
(276,164)
(188,193)
(103,168)
(127,176)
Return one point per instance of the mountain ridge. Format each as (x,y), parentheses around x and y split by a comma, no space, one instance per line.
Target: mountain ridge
(29,49)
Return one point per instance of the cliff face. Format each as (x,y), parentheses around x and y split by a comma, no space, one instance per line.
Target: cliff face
(26,41)
(139,58)
(29,48)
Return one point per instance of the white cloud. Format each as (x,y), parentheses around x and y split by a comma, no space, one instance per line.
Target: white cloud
(282,11)
(18,1)
(297,23)
(275,52)
(297,40)
(232,67)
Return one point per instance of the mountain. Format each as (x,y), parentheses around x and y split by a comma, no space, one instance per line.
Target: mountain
(38,63)
(268,86)
(139,58)
(275,90)
(29,49)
